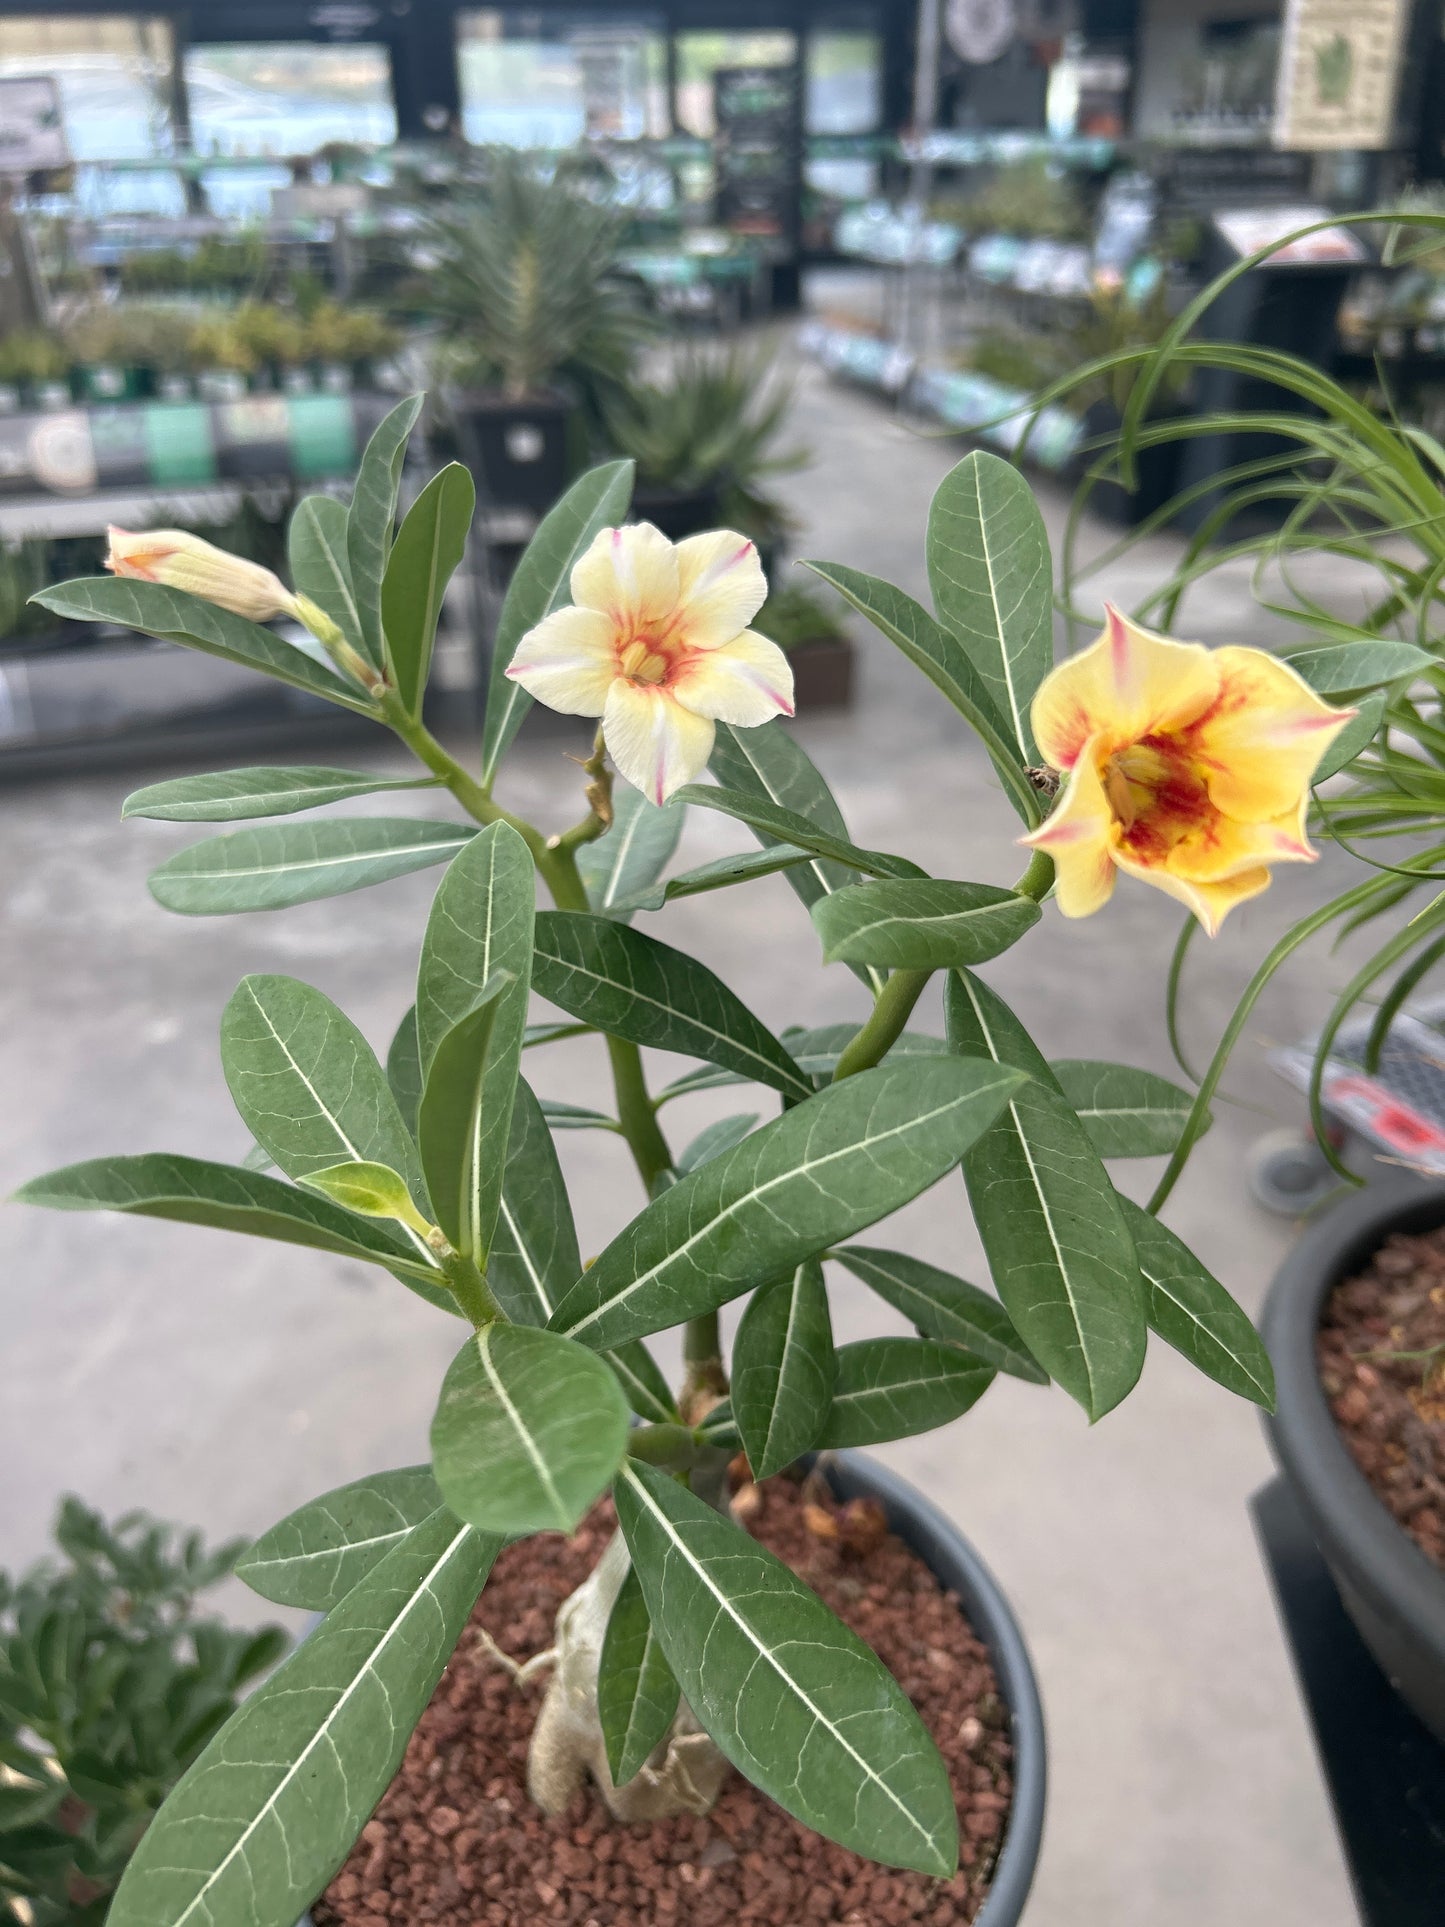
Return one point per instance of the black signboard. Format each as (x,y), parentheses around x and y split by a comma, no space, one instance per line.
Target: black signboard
(758,154)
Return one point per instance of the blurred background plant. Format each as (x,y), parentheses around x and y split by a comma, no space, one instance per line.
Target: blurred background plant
(111,1682)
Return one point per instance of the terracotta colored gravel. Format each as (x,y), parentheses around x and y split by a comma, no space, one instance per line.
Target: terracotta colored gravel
(457,1843)
(1391,1410)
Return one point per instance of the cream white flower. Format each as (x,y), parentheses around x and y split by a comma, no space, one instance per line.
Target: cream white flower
(657,644)
(183,561)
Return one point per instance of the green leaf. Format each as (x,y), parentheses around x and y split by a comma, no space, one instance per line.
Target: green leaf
(534,1258)
(891,1388)
(772,765)
(403,1070)
(479,931)
(944,1307)
(943,659)
(232,795)
(815,1052)
(261,1822)
(1050,1220)
(276,866)
(720,874)
(452,1125)
(714,1140)
(1341,669)
(541,583)
(619,980)
(822,1171)
(794,1699)
(1128,1113)
(529,1430)
(1193,1312)
(319,566)
(922,925)
(770,819)
(637,1694)
(317,1554)
(175,616)
(372,517)
(575,1117)
(646,1390)
(373,1190)
(992,581)
(1370,713)
(719,1428)
(632,854)
(429,548)
(159,1184)
(783,1369)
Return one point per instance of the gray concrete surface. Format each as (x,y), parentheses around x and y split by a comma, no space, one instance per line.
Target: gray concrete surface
(221,1381)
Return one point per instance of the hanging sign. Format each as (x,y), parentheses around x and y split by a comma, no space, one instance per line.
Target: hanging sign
(1339,74)
(980,31)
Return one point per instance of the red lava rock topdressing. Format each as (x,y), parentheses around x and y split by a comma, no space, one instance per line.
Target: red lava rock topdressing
(456,1841)
(1390,1408)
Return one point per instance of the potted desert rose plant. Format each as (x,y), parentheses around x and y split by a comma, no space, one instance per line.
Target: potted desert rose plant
(678,1650)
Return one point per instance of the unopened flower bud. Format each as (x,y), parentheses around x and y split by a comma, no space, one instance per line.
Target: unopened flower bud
(179,560)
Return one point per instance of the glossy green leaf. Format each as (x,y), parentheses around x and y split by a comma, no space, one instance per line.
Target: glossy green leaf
(637,1694)
(287,863)
(720,874)
(892,1388)
(817,1051)
(1061,1255)
(944,660)
(921,925)
(534,1260)
(714,1140)
(429,548)
(160,1184)
(541,583)
(824,1170)
(373,1190)
(783,1368)
(621,981)
(1192,1311)
(770,819)
(772,765)
(372,518)
(452,1126)
(993,583)
(719,1428)
(575,1117)
(403,1070)
(643,1385)
(794,1699)
(319,565)
(1337,670)
(1369,714)
(944,1307)
(632,854)
(529,1429)
(479,931)
(315,1555)
(175,616)
(233,795)
(260,1823)
(1128,1113)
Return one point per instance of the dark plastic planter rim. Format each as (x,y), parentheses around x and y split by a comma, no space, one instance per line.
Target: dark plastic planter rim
(950,1558)
(1384,1563)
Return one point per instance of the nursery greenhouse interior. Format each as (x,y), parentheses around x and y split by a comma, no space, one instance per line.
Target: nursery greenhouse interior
(582,587)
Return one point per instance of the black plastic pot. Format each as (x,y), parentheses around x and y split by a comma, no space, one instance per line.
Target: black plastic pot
(677,512)
(1393,1593)
(517,450)
(951,1559)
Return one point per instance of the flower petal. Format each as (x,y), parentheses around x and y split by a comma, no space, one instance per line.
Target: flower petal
(629,574)
(568,661)
(747,681)
(721,586)
(1210,902)
(1259,744)
(1081,836)
(1127,685)
(656,743)
(1225,848)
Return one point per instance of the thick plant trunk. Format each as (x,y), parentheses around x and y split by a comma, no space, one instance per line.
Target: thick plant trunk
(684,1774)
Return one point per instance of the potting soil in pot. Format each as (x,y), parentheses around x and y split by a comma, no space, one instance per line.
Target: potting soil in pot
(456,1841)
(1381,1353)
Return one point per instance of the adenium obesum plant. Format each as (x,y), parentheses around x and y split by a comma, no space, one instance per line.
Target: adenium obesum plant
(689,1647)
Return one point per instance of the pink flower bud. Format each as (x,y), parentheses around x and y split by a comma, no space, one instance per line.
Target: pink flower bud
(181,561)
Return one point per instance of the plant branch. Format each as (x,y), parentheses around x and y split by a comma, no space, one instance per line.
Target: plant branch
(884,1028)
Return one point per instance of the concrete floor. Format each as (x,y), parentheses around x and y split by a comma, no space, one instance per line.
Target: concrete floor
(216,1380)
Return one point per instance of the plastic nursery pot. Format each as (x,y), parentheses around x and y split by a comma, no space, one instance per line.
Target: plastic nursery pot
(954,1563)
(822,673)
(677,512)
(517,450)
(1393,1593)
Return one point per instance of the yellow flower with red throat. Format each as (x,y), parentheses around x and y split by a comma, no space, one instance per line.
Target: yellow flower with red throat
(657,644)
(1187,767)
(180,560)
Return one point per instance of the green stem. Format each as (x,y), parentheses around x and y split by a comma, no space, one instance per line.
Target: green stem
(1038,879)
(466,789)
(468,1287)
(884,1028)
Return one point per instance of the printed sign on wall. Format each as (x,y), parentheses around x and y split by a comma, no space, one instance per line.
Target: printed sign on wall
(1339,73)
